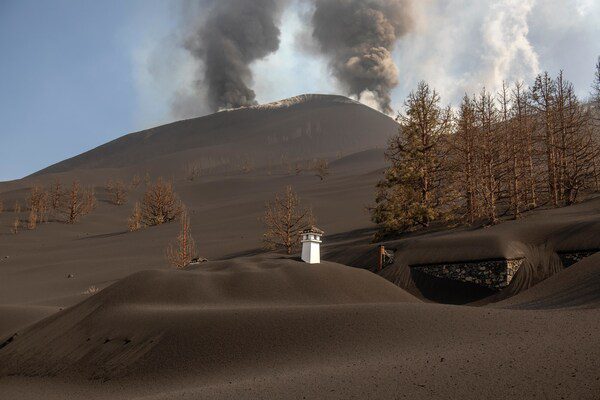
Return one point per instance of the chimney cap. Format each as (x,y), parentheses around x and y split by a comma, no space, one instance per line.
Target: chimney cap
(313,229)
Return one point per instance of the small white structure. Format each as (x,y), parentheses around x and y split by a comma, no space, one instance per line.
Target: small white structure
(311,242)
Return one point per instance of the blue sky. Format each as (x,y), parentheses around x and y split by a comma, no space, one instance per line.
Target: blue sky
(77,73)
(66,82)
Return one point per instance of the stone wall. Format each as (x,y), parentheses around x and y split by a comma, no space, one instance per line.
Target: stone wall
(570,258)
(493,274)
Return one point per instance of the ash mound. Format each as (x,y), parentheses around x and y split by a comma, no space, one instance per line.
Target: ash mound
(198,318)
(575,287)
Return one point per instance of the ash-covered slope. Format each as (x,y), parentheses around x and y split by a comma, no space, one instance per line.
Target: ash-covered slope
(303,127)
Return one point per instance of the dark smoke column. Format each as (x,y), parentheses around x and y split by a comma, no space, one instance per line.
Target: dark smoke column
(229,36)
(358,37)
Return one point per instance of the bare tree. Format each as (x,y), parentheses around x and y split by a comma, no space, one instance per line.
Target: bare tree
(491,156)
(160,204)
(117,192)
(134,222)
(512,139)
(16,225)
(543,94)
(193,170)
(17,207)
(32,220)
(596,85)
(464,149)
(321,169)
(183,251)
(576,148)
(55,195)
(524,136)
(135,181)
(38,204)
(285,219)
(78,202)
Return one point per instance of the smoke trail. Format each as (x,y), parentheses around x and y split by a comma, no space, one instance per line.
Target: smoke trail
(227,38)
(358,37)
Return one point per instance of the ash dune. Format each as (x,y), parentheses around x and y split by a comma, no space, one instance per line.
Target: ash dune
(256,325)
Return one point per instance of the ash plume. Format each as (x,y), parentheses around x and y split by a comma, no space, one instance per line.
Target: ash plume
(358,37)
(226,36)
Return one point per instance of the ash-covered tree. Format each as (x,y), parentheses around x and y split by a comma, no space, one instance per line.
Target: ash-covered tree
(284,219)
(412,192)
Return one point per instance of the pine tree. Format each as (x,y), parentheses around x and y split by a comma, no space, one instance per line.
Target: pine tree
(412,193)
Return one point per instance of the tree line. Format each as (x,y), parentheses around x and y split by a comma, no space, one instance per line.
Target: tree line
(497,155)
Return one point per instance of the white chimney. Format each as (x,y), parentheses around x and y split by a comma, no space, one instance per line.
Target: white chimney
(311,242)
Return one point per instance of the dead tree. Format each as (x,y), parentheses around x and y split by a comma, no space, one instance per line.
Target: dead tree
(135,181)
(32,220)
(78,202)
(183,251)
(490,155)
(134,222)
(543,95)
(321,169)
(38,205)
(512,135)
(576,146)
(464,150)
(193,170)
(117,192)
(285,219)
(55,195)
(522,120)
(160,204)
(14,228)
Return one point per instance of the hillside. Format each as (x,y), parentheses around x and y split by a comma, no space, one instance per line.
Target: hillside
(300,128)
